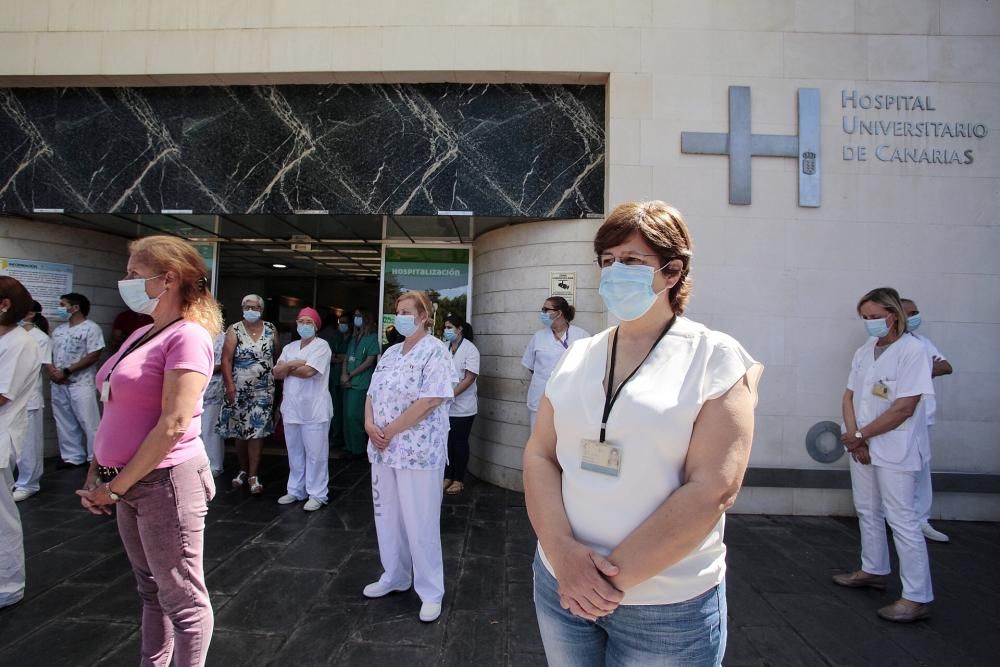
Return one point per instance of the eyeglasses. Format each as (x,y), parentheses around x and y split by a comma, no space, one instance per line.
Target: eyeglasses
(607,259)
(549,310)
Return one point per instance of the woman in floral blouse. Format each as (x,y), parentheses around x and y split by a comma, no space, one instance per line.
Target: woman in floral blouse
(406,418)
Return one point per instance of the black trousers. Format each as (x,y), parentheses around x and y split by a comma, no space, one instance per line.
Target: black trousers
(458,447)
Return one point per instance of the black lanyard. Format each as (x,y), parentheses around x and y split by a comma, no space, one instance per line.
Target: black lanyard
(609,398)
(455,351)
(564,343)
(142,340)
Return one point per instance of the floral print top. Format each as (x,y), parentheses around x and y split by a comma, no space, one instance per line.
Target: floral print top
(426,371)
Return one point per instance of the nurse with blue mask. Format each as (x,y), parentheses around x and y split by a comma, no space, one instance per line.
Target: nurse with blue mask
(547,347)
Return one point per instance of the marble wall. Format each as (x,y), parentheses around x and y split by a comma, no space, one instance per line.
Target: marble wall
(496,150)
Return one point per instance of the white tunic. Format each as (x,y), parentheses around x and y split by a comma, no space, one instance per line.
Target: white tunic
(652,422)
(307,400)
(932,354)
(903,369)
(37,402)
(541,357)
(19,377)
(466,358)
(71,343)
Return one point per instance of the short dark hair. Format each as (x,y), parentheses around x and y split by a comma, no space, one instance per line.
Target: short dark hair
(40,322)
(562,305)
(459,322)
(20,300)
(78,300)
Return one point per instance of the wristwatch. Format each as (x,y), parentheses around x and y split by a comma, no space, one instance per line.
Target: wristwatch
(66,371)
(857,434)
(111,494)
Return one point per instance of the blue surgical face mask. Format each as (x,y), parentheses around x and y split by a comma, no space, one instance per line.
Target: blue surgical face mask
(406,325)
(877,328)
(449,335)
(545,318)
(359,321)
(62,312)
(628,290)
(913,322)
(251,316)
(343,327)
(306,331)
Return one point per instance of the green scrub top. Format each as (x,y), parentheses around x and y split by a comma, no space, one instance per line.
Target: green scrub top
(357,350)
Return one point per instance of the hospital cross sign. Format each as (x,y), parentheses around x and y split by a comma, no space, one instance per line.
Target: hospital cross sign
(740,144)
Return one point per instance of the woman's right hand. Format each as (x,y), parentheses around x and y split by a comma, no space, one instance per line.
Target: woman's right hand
(90,484)
(230,391)
(345,381)
(377,436)
(582,573)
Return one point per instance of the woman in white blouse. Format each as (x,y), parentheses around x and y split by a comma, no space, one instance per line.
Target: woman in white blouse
(547,347)
(306,408)
(458,335)
(641,443)
(30,463)
(406,418)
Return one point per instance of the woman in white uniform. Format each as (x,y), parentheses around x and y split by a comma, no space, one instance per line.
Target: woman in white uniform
(306,408)
(887,437)
(462,413)
(18,380)
(406,418)
(31,462)
(547,347)
(212,406)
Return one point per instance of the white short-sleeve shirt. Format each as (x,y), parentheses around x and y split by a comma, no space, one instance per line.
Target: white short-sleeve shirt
(541,357)
(18,378)
(903,369)
(307,400)
(465,358)
(426,371)
(652,422)
(932,354)
(71,343)
(37,402)
(214,392)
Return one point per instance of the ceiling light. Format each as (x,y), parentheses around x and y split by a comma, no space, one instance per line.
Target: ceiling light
(280,266)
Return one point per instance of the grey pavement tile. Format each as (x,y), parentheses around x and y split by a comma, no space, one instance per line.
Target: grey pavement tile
(36,610)
(232,574)
(43,540)
(242,648)
(125,653)
(260,509)
(367,653)
(480,584)
(320,638)
(222,538)
(319,549)
(523,659)
(486,538)
(273,602)
(103,539)
(44,570)
(773,645)
(747,608)
(359,570)
(522,629)
(68,642)
(518,568)
(119,601)
(104,570)
(393,620)
(453,545)
(474,638)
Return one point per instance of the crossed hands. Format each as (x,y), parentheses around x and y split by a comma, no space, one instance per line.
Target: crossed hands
(857,447)
(92,497)
(380,436)
(583,577)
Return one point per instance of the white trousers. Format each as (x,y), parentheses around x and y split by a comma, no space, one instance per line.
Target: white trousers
(11,541)
(77,415)
(31,463)
(882,495)
(408,524)
(213,441)
(308,460)
(924,496)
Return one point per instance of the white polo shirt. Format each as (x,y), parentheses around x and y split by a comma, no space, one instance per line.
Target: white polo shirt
(466,358)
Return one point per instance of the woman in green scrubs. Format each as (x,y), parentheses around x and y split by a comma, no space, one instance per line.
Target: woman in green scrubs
(359,364)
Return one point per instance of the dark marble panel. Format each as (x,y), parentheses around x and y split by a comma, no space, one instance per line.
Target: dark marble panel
(497,150)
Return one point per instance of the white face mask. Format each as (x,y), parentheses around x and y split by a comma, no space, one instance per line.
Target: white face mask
(133,293)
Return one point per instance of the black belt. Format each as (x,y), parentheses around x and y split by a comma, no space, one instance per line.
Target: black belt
(105,474)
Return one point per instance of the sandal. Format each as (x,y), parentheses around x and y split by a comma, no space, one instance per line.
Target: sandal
(447,483)
(455,489)
(240,479)
(255,486)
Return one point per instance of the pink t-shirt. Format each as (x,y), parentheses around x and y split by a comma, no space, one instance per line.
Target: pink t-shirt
(136,393)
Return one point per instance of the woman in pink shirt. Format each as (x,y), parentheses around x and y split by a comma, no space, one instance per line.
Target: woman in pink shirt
(149,458)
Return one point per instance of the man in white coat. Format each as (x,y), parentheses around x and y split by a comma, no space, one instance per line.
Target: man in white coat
(76,348)
(939,366)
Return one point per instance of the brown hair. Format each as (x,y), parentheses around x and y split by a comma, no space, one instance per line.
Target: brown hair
(421,299)
(562,305)
(662,227)
(20,300)
(888,298)
(169,253)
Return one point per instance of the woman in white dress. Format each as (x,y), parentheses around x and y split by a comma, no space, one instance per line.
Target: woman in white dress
(31,463)
(547,347)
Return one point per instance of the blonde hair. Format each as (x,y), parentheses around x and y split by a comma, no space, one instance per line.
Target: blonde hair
(169,253)
(662,227)
(421,299)
(888,298)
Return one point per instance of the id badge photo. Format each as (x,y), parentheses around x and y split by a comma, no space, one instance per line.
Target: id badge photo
(601,457)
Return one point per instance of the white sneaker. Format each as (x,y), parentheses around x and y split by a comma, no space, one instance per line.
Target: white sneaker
(379,589)
(312,505)
(22,494)
(287,499)
(931,534)
(429,611)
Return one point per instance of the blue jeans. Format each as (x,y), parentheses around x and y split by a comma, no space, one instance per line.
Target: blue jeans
(690,633)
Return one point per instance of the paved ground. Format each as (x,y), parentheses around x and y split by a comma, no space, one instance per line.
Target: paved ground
(286,587)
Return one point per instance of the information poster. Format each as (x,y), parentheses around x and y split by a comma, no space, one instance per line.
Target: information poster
(563,283)
(46,281)
(442,272)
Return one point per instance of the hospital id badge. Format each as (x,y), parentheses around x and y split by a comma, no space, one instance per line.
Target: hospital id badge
(105,391)
(879,389)
(601,457)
